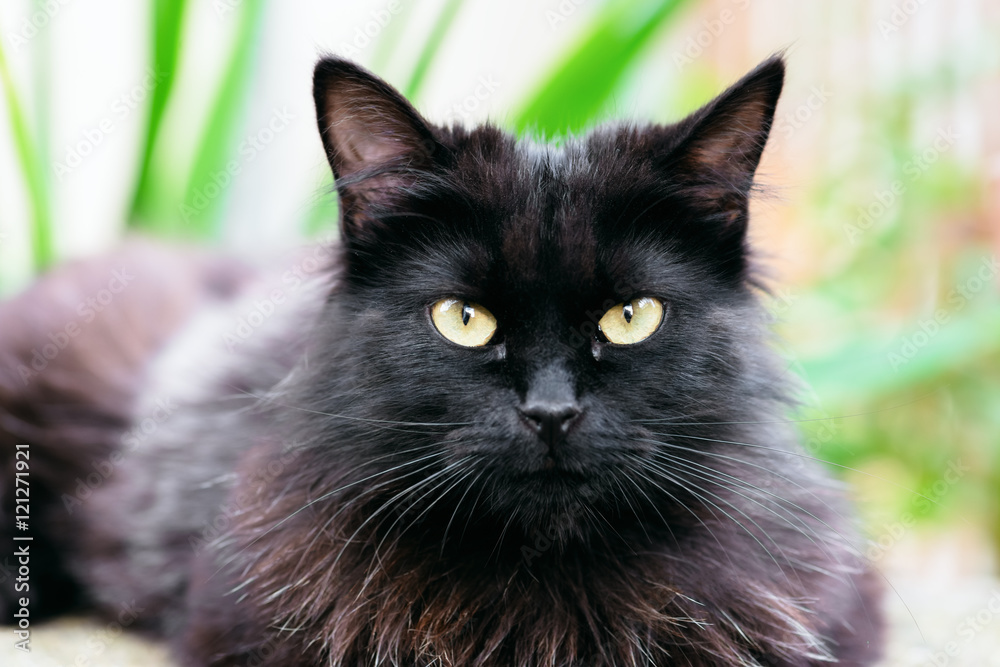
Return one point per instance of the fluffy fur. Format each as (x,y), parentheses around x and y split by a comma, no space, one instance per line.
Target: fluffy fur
(349,488)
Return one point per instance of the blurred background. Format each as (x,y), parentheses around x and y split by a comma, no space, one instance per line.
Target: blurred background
(880,219)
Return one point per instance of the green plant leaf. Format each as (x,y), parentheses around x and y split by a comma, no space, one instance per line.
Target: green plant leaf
(35,177)
(571,96)
(167,20)
(321,217)
(861,372)
(220,131)
(439,31)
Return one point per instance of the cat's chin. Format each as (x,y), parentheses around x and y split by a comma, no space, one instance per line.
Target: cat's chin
(550,497)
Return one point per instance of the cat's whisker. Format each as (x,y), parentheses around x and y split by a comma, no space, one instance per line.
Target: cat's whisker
(800,455)
(846,569)
(513,513)
(669,476)
(671,421)
(641,473)
(845,540)
(389,503)
(651,504)
(482,487)
(628,501)
(469,487)
(329,494)
(745,462)
(351,502)
(455,473)
(728,481)
(801,527)
(365,420)
(655,468)
(739,461)
(452,480)
(751,487)
(593,514)
(304,578)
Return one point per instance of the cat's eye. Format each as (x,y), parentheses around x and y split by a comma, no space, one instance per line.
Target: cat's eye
(632,321)
(463,322)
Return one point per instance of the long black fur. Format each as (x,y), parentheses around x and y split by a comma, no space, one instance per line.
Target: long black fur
(347,487)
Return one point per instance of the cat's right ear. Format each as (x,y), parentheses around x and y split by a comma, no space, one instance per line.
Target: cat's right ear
(721,144)
(376,142)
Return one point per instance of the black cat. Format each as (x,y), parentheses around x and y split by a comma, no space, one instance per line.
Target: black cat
(525,415)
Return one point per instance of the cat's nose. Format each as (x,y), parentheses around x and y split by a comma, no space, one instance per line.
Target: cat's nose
(552,420)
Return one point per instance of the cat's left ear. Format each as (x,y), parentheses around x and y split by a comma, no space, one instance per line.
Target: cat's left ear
(722,143)
(375,140)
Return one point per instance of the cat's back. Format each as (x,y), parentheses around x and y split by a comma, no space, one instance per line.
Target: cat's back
(101,363)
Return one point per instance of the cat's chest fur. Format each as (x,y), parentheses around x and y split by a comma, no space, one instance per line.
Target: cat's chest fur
(633,603)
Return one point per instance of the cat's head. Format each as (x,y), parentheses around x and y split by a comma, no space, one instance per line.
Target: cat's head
(527,324)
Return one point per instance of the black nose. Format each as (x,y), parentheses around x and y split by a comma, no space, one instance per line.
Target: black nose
(552,421)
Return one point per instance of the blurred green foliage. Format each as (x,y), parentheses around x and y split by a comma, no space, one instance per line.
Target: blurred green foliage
(27,141)
(899,420)
(579,85)
(905,333)
(167,17)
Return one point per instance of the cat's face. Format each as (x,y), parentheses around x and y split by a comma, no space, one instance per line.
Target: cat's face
(553,308)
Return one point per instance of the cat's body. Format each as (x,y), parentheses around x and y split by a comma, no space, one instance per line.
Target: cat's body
(349,485)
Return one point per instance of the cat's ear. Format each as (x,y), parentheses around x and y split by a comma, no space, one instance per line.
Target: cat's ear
(375,140)
(721,143)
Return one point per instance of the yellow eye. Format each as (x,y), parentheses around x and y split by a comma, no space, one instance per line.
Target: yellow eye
(462,322)
(632,321)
